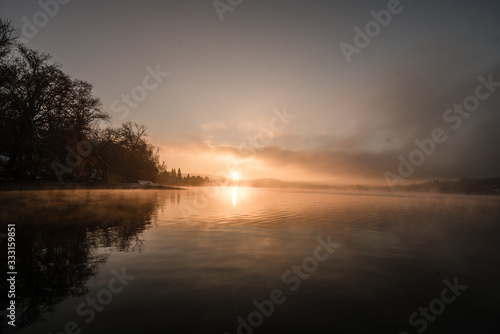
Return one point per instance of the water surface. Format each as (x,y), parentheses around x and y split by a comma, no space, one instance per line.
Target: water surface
(199,258)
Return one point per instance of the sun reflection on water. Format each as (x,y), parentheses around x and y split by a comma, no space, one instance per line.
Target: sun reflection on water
(235,194)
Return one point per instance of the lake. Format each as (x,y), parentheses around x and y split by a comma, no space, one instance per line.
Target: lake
(240,260)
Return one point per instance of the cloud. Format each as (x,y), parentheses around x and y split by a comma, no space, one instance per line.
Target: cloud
(213,126)
(390,114)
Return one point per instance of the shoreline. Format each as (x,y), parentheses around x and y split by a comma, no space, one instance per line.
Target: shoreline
(20,186)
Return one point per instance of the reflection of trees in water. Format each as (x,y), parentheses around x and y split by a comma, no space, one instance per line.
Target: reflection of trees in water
(60,238)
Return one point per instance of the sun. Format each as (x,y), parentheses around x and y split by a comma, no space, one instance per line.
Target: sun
(235,176)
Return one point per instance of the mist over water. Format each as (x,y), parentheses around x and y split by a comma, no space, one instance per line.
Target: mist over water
(200,257)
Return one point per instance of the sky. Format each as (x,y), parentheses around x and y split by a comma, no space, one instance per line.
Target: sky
(346,92)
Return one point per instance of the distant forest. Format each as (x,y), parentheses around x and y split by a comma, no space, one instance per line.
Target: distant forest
(49,127)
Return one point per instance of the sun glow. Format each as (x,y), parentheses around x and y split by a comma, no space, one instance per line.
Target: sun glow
(235,176)
(235,196)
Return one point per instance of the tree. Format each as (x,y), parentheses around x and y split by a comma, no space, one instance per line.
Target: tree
(8,36)
(125,154)
(44,110)
(46,118)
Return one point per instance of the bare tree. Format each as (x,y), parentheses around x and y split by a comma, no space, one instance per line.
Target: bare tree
(45,108)
(8,36)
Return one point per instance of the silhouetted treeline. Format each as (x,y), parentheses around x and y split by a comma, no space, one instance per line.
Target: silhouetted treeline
(175,178)
(465,185)
(49,126)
